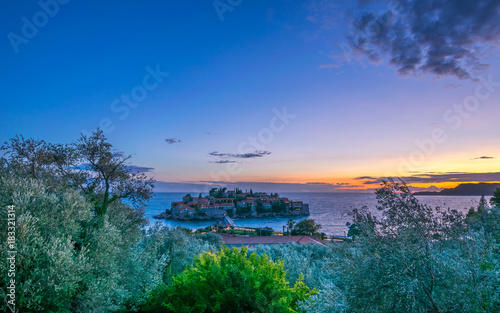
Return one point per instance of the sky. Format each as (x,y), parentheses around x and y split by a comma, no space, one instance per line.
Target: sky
(316,96)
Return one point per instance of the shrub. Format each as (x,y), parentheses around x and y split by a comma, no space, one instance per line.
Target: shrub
(232,281)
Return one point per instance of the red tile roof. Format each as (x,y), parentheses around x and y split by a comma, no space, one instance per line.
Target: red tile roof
(269,240)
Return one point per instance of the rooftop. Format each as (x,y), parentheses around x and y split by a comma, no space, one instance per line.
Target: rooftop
(268,240)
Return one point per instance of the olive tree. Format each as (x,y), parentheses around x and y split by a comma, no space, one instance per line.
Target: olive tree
(415,258)
(89,165)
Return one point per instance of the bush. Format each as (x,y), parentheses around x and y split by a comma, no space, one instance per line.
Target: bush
(232,281)
(417,259)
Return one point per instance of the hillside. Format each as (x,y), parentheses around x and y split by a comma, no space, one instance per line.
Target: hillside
(471,189)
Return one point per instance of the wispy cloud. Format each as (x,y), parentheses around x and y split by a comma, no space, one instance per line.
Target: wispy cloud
(211,133)
(223,161)
(139,169)
(172,140)
(484,158)
(441,38)
(256,154)
(365,177)
(453,86)
(329,66)
(118,154)
(334,185)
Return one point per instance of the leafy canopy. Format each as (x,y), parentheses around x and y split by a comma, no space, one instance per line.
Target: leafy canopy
(232,281)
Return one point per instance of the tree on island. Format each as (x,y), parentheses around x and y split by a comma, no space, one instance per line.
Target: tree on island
(189,197)
(259,206)
(278,206)
(217,192)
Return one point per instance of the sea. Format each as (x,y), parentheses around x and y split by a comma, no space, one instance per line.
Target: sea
(330,210)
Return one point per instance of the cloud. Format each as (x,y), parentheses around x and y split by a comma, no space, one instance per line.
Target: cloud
(484,158)
(222,161)
(364,177)
(211,133)
(453,86)
(338,186)
(255,154)
(139,169)
(441,178)
(420,37)
(118,154)
(329,66)
(172,140)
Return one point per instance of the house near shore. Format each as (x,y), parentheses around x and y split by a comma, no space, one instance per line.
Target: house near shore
(252,241)
(236,203)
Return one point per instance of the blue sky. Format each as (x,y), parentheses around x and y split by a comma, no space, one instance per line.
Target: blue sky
(363,100)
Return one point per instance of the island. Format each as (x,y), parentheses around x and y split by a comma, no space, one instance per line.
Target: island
(221,202)
(469,189)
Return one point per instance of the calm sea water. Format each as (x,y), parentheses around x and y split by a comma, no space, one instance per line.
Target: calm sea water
(331,210)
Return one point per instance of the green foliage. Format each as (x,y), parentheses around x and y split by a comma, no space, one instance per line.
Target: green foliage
(486,219)
(290,224)
(232,281)
(306,227)
(417,259)
(71,260)
(259,206)
(244,210)
(495,200)
(317,265)
(198,211)
(88,165)
(354,231)
(278,206)
(217,192)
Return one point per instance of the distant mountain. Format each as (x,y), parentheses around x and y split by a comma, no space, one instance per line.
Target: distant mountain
(479,189)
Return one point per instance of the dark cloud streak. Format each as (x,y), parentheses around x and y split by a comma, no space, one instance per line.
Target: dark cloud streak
(484,158)
(255,154)
(172,140)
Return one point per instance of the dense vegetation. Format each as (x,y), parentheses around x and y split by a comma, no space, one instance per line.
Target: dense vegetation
(83,246)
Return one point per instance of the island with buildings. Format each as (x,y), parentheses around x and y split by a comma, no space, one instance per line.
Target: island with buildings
(221,202)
